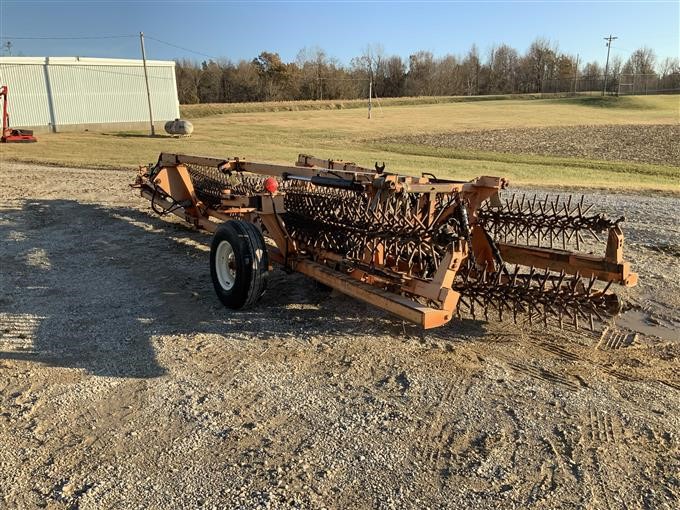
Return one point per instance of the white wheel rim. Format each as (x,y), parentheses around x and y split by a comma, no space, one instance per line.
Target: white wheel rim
(225,265)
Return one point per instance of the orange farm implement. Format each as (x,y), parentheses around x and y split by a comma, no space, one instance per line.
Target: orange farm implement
(422,248)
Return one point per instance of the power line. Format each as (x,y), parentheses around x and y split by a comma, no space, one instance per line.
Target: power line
(53,38)
(75,38)
(621,49)
(212,57)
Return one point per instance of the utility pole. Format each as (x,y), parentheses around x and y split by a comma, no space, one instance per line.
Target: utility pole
(606,66)
(146,78)
(370,94)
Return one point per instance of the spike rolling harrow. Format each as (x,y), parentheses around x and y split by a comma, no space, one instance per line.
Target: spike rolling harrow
(423,248)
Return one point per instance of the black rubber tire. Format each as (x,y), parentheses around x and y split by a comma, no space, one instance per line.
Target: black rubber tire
(252,264)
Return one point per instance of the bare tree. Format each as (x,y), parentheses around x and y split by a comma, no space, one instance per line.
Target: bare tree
(210,82)
(243,83)
(394,77)
(371,58)
(273,74)
(421,67)
(312,67)
(641,61)
(615,69)
(668,66)
(471,67)
(539,64)
(187,75)
(448,77)
(315,75)
(592,69)
(503,62)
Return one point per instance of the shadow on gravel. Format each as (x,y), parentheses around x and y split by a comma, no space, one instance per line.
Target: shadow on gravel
(86,286)
(67,298)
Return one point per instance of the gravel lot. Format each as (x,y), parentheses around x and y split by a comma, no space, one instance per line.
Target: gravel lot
(616,142)
(124,383)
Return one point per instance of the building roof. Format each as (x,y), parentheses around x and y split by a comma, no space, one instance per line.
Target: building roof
(66,61)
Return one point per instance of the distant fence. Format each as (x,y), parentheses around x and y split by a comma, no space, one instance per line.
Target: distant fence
(648,84)
(621,84)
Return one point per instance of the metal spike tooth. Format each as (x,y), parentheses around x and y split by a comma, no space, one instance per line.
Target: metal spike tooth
(591,283)
(515,274)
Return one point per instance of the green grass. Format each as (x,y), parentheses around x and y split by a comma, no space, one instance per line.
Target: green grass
(346,133)
(197,111)
(623,102)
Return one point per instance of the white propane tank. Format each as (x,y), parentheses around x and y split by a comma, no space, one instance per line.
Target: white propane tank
(179,127)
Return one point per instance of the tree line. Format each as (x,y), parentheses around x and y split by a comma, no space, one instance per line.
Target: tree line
(315,75)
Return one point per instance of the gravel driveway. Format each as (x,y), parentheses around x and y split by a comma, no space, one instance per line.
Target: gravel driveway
(124,383)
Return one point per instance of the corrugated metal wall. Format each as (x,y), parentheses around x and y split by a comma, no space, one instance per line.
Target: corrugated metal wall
(62,91)
(28,105)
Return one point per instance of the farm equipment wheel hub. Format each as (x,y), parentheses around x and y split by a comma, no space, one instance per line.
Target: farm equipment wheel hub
(225,265)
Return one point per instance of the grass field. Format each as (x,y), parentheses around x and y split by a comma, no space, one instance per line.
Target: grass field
(346,133)
(195,111)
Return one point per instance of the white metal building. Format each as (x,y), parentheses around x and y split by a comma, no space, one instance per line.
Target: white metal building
(76,93)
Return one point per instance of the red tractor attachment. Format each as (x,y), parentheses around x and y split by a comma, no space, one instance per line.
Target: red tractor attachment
(10,135)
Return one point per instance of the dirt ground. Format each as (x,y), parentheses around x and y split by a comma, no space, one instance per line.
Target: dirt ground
(124,383)
(615,142)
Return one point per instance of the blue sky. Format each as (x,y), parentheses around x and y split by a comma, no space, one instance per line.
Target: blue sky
(238,30)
